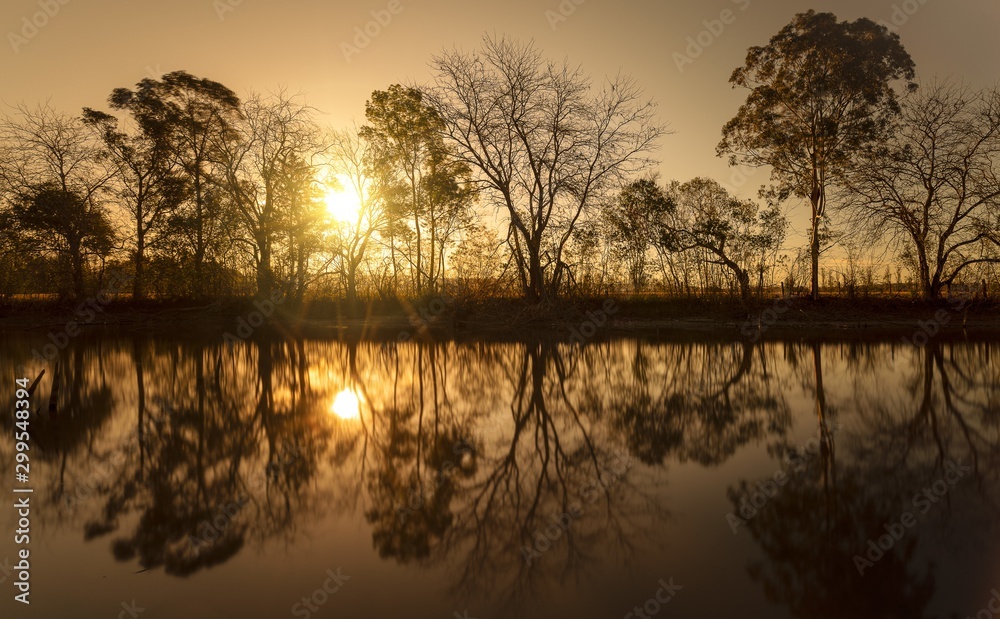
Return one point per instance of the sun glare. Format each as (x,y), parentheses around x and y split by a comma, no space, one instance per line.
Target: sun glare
(347,405)
(343,204)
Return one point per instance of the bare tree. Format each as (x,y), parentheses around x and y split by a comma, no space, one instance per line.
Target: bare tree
(546,145)
(934,188)
(52,169)
(274,136)
(353,238)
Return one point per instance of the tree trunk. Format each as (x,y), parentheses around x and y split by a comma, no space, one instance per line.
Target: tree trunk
(76,256)
(265,279)
(199,251)
(814,255)
(536,283)
(816,202)
(928,290)
(140,249)
(352,285)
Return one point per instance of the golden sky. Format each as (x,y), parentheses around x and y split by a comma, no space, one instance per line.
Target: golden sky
(85,48)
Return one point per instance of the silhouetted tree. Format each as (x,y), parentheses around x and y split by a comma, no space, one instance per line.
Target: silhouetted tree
(631,223)
(51,168)
(352,239)
(932,187)
(546,147)
(732,231)
(419,178)
(146,184)
(188,115)
(272,139)
(821,91)
(66,223)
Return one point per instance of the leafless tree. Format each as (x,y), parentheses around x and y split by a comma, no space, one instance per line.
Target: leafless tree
(50,166)
(353,238)
(934,189)
(274,135)
(547,146)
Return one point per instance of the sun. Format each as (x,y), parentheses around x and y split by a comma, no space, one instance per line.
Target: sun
(343,204)
(347,405)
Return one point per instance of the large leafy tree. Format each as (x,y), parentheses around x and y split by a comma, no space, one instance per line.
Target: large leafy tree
(188,115)
(546,145)
(821,91)
(934,189)
(426,189)
(146,183)
(66,222)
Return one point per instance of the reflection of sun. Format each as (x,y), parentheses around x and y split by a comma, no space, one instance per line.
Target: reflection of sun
(347,405)
(343,204)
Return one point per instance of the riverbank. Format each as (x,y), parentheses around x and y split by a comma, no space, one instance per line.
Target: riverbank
(578,320)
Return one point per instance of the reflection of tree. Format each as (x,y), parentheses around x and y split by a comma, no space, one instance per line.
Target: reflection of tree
(194,480)
(947,411)
(810,532)
(696,402)
(412,483)
(543,460)
(899,441)
(78,402)
(70,414)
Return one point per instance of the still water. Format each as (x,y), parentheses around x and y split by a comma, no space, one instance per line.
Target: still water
(185,478)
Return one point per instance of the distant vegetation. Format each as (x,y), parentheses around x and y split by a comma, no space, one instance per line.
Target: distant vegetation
(509,175)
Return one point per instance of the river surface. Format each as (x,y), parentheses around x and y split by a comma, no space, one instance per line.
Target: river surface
(185,477)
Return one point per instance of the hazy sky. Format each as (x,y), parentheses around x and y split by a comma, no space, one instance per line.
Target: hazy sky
(89,47)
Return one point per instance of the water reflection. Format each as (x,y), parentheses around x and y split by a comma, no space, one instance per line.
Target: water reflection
(844,536)
(516,468)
